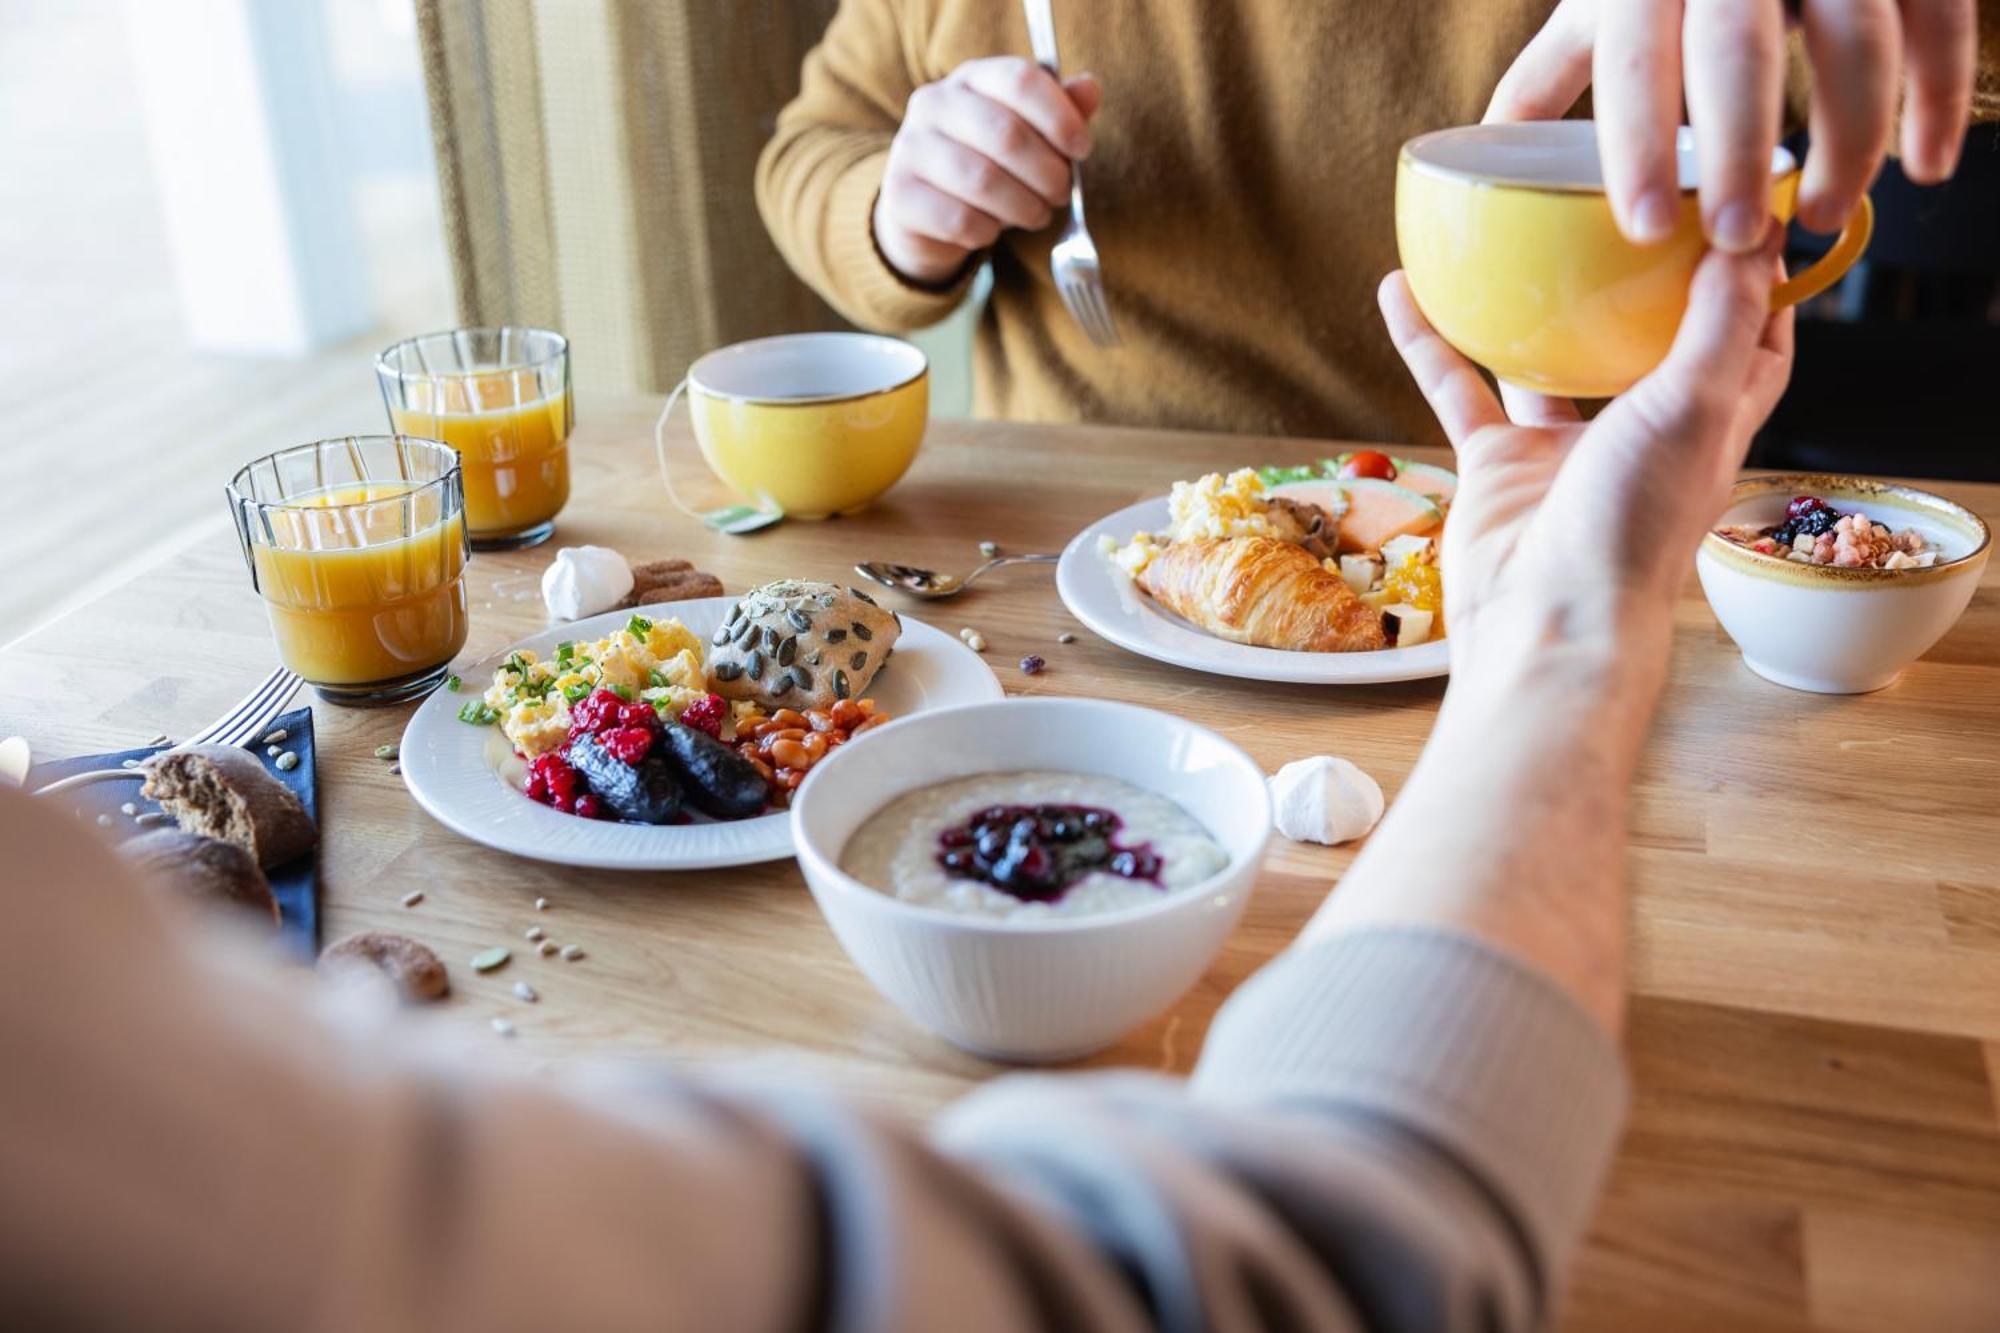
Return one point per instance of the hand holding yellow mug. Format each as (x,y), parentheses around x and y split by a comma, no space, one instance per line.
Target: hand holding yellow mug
(1514,257)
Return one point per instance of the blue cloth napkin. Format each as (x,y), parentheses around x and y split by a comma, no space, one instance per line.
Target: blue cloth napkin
(294,884)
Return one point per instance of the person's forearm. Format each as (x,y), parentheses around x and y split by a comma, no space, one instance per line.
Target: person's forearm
(1512,826)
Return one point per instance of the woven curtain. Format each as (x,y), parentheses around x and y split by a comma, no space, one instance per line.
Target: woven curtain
(595,160)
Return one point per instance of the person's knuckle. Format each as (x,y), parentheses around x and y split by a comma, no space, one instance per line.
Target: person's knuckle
(979,176)
(1011,134)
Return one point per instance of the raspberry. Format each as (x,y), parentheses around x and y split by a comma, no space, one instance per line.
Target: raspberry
(705,715)
(594,714)
(628,745)
(587,806)
(1802,505)
(638,715)
(551,780)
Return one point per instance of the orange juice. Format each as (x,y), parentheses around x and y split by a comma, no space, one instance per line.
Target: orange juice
(368,594)
(512,442)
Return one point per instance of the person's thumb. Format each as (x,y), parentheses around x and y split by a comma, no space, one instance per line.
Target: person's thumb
(1086,92)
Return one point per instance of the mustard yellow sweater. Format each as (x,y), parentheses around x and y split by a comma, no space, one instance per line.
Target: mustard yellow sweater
(1241,197)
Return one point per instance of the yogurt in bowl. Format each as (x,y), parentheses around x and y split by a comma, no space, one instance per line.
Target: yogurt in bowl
(1050,942)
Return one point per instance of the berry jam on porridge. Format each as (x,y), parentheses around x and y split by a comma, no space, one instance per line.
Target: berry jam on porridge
(1031,844)
(1815,533)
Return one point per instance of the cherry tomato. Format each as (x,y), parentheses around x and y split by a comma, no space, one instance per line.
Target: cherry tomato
(1368,463)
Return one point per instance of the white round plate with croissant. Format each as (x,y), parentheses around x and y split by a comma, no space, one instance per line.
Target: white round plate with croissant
(1323,575)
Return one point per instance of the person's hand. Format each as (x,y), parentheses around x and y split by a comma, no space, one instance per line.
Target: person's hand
(1638,57)
(1568,537)
(988,147)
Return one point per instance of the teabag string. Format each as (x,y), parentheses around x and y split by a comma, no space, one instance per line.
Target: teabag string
(736,519)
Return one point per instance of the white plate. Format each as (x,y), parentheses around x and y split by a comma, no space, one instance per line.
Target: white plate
(446,767)
(1098,593)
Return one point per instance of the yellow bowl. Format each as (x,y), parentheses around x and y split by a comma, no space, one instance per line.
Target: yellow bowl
(1514,257)
(818,423)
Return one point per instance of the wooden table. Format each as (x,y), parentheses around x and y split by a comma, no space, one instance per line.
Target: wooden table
(1816,1035)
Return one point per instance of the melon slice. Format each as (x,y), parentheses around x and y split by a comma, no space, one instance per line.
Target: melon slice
(1439,483)
(1328,495)
(1378,510)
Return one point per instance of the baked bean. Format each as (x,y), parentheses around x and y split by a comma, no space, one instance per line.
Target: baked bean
(789,717)
(820,719)
(788,779)
(846,714)
(815,745)
(867,707)
(764,770)
(791,754)
(870,724)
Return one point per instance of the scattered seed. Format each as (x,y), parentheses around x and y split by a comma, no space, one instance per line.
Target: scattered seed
(274,750)
(526,992)
(989,549)
(1032,665)
(386,752)
(541,904)
(546,947)
(503,1027)
(160,739)
(572,952)
(973,639)
(413,897)
(128,809)
(491,958)
(395,768)
(534,933)
(128,763)
(289,760)
(279,735)
(150,818)
(1065,637)
(104,821)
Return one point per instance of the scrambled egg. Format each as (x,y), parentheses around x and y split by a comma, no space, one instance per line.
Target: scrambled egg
(659,661)
(1215,506)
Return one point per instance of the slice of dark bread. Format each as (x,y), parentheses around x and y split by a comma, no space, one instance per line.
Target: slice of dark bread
(223,792)
(207,872)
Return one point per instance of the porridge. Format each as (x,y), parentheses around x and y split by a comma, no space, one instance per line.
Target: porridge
(1031,844)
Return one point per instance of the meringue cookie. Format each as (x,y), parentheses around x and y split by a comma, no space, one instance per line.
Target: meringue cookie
(584,580)
(1324,799)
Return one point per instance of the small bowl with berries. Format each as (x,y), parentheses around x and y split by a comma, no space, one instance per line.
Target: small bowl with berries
(1836,584)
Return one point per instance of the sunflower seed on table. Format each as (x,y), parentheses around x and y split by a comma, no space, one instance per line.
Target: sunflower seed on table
(128,809)
(546,947)
(413,897)
(150,818)
(526,992)
(128,763)
(503,1027)
(989,549)
(534,933)
(279,735)
(160,739)
(395,768)
(386,751)
(572,952)
(491,958)
(1065,637)
(973,639)
(289,760)
(541,904)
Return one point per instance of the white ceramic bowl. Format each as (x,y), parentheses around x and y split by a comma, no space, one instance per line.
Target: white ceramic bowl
(1053,988)
(1833,630)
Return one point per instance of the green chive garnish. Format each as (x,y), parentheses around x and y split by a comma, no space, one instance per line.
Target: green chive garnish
(452,683)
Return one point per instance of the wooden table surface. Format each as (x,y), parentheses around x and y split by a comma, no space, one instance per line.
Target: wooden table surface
(1816,881)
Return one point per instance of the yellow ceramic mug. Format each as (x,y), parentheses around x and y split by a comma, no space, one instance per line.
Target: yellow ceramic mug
(1513,255)
(804,425)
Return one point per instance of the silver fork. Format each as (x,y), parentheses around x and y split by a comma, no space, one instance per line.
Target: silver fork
(1079,277)
(241,725)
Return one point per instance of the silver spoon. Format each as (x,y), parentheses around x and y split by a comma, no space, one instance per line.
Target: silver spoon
(931,585)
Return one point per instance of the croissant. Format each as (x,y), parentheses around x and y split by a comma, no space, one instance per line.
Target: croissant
(1262,591)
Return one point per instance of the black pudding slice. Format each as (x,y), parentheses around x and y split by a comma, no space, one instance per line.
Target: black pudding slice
(720,782)
(646,793)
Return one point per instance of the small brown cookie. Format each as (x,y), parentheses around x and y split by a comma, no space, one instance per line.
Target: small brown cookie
(669,581)
(222,792)
(205,871)
(415,971)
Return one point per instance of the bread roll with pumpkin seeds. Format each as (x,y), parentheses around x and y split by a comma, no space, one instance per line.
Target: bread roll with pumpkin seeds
(800,644)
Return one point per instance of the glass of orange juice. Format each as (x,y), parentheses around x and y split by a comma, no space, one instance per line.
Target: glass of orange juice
(501,397)
(358,546)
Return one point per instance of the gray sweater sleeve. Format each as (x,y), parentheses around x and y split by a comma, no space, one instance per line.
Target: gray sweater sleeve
(1391,1129)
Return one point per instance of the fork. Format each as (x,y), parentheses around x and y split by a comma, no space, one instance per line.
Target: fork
(239,726)
(1073,262)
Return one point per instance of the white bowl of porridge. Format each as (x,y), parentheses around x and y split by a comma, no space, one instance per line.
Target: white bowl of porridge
(1813,605)
(1034,878)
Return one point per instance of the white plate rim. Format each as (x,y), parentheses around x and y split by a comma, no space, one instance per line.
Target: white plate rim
(1098,594)
(471,801)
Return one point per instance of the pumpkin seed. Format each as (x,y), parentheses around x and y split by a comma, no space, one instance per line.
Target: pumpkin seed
(788,650)
(840,688)
(782,685)
(861,631)
(753,665)
(736,613)
(727,670)
(723,635)
(862,595)
(803,677)
(770,639)
(800,620)
(826,599)
(745,633)
(858,661)
(835,635)
(491,958)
